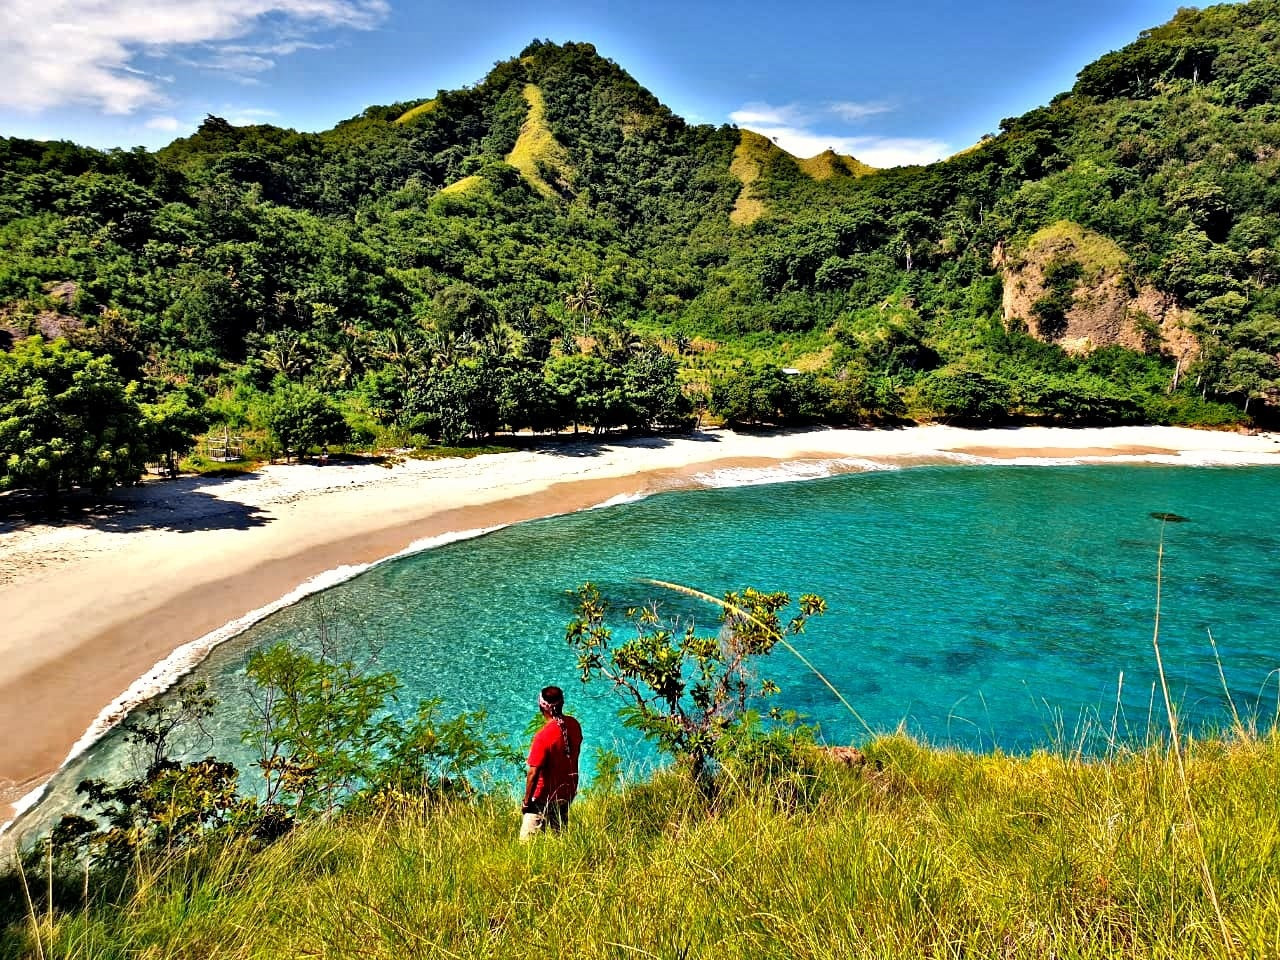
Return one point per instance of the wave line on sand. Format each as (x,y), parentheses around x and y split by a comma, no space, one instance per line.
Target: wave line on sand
(790,471)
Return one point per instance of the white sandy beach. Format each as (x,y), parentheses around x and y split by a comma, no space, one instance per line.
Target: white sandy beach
(90,607)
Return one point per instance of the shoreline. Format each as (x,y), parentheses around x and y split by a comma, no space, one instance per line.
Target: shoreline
(115,601)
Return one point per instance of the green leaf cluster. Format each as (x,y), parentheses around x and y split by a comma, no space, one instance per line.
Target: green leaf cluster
(687,692)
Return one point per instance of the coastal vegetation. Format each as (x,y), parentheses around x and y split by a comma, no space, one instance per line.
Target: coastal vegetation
(553,248)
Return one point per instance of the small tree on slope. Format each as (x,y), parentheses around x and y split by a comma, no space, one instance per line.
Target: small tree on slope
(685,692)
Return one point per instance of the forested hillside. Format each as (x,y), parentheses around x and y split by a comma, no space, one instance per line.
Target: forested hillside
(554,247)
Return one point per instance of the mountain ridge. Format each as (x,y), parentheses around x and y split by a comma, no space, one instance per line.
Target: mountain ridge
(590,223)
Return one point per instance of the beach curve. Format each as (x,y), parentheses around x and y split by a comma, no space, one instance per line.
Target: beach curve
(99,608)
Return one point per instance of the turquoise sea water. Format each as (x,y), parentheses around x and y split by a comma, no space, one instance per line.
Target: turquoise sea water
(983,606)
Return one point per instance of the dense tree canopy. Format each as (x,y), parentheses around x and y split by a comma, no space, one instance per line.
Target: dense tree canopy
(67,419)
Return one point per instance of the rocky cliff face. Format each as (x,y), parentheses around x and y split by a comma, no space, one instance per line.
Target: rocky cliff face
(1072,287)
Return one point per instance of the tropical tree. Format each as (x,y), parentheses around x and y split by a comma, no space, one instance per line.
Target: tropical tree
(586,302)
(758,394)
(301,417)
(653,392)
(67,420)
(171,424)
(965,394)
(684,691)
(588,391)
(327,728)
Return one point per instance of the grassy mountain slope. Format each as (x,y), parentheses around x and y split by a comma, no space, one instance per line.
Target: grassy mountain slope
(830,164)
(755,156)
(420,110)
(750,158)
(536,153)
(189,264)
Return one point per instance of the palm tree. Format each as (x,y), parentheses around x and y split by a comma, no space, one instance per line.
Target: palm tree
(347,362)
(501,341)
(445,347)
(395,346)
(616,341)
(285,352)
(585,300)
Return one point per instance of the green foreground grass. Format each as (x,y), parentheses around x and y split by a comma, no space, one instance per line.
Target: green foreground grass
(919,853)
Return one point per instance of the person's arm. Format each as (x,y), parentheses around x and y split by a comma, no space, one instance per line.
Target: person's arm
(530,778)
(573,762)
(537,757)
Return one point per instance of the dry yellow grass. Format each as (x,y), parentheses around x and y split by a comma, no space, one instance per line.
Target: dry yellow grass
(1095,253)
(537,149)
(814,362)
(969,149)
(750,156)
(918,852)
(464,185)
(703,345)
(830,164)
(421,110)
(755,151)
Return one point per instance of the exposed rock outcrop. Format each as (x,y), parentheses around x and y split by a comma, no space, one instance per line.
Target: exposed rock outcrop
(1072,287)
(50,320)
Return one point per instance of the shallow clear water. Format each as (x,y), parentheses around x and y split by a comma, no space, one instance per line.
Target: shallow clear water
(983,606)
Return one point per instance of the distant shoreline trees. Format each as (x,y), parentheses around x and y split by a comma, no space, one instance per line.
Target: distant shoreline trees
(68,420)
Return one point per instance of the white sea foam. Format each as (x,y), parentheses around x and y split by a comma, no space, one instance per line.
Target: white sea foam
(22,805)
(619,500)
(791,471)
(1185,458)
(861,465)
(187,657)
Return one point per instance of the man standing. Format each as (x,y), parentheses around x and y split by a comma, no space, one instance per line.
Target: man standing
(552,778)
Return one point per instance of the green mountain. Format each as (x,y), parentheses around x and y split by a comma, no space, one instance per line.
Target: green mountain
(504,255)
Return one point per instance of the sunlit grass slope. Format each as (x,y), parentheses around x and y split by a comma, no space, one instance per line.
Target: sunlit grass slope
(1096,253)
(537,152)
(756,152)
(465,185)
(749,159)
(920,853)
(420,110)
(829,164)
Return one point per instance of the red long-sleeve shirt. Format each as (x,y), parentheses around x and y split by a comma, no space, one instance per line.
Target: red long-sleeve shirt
(557,780)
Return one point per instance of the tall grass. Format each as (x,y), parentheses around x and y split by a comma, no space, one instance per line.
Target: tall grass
(921,852)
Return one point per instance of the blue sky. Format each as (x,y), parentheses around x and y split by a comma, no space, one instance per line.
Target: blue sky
(890,81)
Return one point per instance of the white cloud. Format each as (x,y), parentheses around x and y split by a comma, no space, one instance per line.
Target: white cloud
(248,116)
(797,130)
(854,110)
(278,48)
(58,52)
(752,114)
(166,124)
(240,63)
(797,115)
